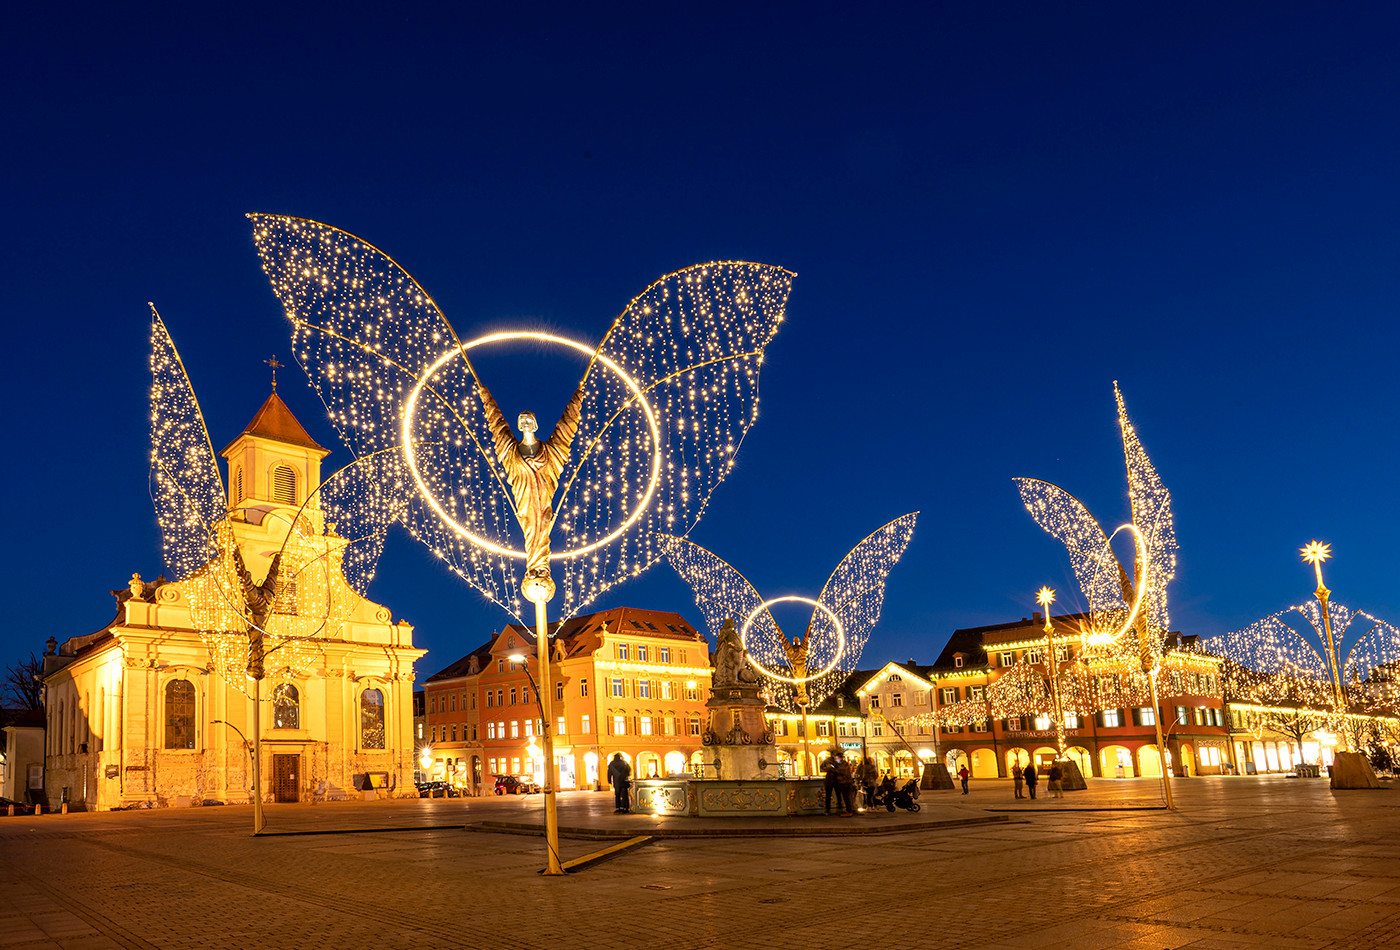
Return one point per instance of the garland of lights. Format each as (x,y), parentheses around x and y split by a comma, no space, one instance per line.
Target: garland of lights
(662,418)
(842,618)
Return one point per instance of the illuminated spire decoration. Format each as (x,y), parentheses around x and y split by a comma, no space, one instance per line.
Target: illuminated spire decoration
(312,598)
(667,398)
(802,670)
(1120,603)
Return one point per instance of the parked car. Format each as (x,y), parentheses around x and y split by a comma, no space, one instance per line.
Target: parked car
(515,785)
(20,807)
(437,790)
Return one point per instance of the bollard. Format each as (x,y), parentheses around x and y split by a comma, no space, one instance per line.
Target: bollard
(38,809)
(12,811)
(65,808)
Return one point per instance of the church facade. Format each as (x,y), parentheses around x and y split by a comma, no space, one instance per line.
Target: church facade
(140,714)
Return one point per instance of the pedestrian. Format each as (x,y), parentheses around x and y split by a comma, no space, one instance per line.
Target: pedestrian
(845,786)
(1030,779)
(867,773)
(828,768)
(963,775)
(1054,784)
(620,777)
(1019,780)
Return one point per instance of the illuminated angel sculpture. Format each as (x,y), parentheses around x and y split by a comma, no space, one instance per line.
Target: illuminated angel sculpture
(1128,611)
(652,428)
(802,671)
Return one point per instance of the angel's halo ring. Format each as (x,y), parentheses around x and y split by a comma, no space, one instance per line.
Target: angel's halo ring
(840,638)
(586,350)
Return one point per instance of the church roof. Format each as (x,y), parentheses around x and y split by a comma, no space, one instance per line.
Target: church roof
(275,421)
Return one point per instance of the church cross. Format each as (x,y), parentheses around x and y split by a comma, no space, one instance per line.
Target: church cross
(275,367)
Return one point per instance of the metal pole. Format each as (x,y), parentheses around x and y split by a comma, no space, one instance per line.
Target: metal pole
(1334,667)
(1161,745)
(542,689)
(257,757)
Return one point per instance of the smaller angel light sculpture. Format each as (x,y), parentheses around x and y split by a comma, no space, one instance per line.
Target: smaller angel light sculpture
(801,670)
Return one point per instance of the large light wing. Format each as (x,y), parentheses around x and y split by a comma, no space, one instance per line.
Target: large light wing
(1101,578)
(668,400)
(854,594)
(1152,514)
(379,351)
(1372,665)
(186,486)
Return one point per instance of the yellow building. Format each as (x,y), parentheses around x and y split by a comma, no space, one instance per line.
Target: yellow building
(139,716)
(624,680)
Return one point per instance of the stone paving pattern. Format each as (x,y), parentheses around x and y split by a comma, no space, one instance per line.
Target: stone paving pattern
(1245,862)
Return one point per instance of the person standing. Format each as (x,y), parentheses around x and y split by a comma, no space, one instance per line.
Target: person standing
(845,787)
(867,773)
(620,778)
(964,775)
(1030,777)
(1056,774)
(829,779)
(1018,779)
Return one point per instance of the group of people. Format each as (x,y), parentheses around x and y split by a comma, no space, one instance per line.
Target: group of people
(1054,779)
(838,777)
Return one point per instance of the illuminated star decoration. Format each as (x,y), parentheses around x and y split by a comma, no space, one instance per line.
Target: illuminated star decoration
(313,600)
(1107,586)
(668,396)
(853,595)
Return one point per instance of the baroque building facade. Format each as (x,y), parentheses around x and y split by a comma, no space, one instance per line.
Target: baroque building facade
(139,714)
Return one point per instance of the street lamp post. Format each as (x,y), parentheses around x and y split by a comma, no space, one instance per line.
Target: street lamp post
(539,590)
(253,755)
(1315,553)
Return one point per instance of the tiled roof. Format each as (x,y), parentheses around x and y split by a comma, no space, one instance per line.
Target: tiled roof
(275,421)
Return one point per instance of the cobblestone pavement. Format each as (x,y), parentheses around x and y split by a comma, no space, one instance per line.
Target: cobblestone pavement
(1244,862)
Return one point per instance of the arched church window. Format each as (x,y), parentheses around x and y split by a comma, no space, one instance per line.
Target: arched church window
(286,707)
(371,719)
(179,714)
(284,485)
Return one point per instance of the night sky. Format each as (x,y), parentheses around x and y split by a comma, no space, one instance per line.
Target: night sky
(994,211)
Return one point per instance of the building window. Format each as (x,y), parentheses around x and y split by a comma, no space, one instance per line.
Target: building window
(500,697)
(619,726)
(432,703)
(692,693)
(1111,717)
(558,690)
(515,728)
(874,702)
(644,689)
(1006,659)
(238,483)
(560,727)
(1181,719)
(897,699)
(284,485)
(663,654)
(585,726)
(694,726)
(644,725)
(512,695)
(667,690)
(1144,716)
(179,714)
(957,660)
(642,653)
(529,727)
(617,689)
(525,695)
(453,701)
(920,699)
(490,730)
(286,707)
(489,703)
(948,695)
(981,726)
(977,692)
(583,686)
(1062,653)
(454,732)
(876,729)
(473,732)
(823,728)
(622,651)
(1042,722)
(1034,656)
(371,719)
(434,733)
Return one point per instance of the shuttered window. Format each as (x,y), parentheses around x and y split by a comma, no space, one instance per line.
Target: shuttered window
(284,485)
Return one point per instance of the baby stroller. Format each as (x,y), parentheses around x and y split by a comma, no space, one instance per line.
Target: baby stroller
(907,797)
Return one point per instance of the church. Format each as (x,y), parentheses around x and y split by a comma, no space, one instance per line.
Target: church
(141,714)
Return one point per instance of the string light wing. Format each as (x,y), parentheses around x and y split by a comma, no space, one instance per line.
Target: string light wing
(855,594)
(693,343)
(370,338)
(721,592)
(186,486)
(1152,515)
(1100,575)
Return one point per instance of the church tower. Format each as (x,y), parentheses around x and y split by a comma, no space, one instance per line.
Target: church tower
(274,463)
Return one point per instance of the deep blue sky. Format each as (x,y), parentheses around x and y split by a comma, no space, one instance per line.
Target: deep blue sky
(994,211)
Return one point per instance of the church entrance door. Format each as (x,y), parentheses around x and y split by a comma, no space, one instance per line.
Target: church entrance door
(284,777)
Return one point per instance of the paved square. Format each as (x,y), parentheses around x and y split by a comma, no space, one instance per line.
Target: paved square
(1244,862)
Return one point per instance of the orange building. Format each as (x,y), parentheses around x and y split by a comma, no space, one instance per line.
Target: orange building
(624,680)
